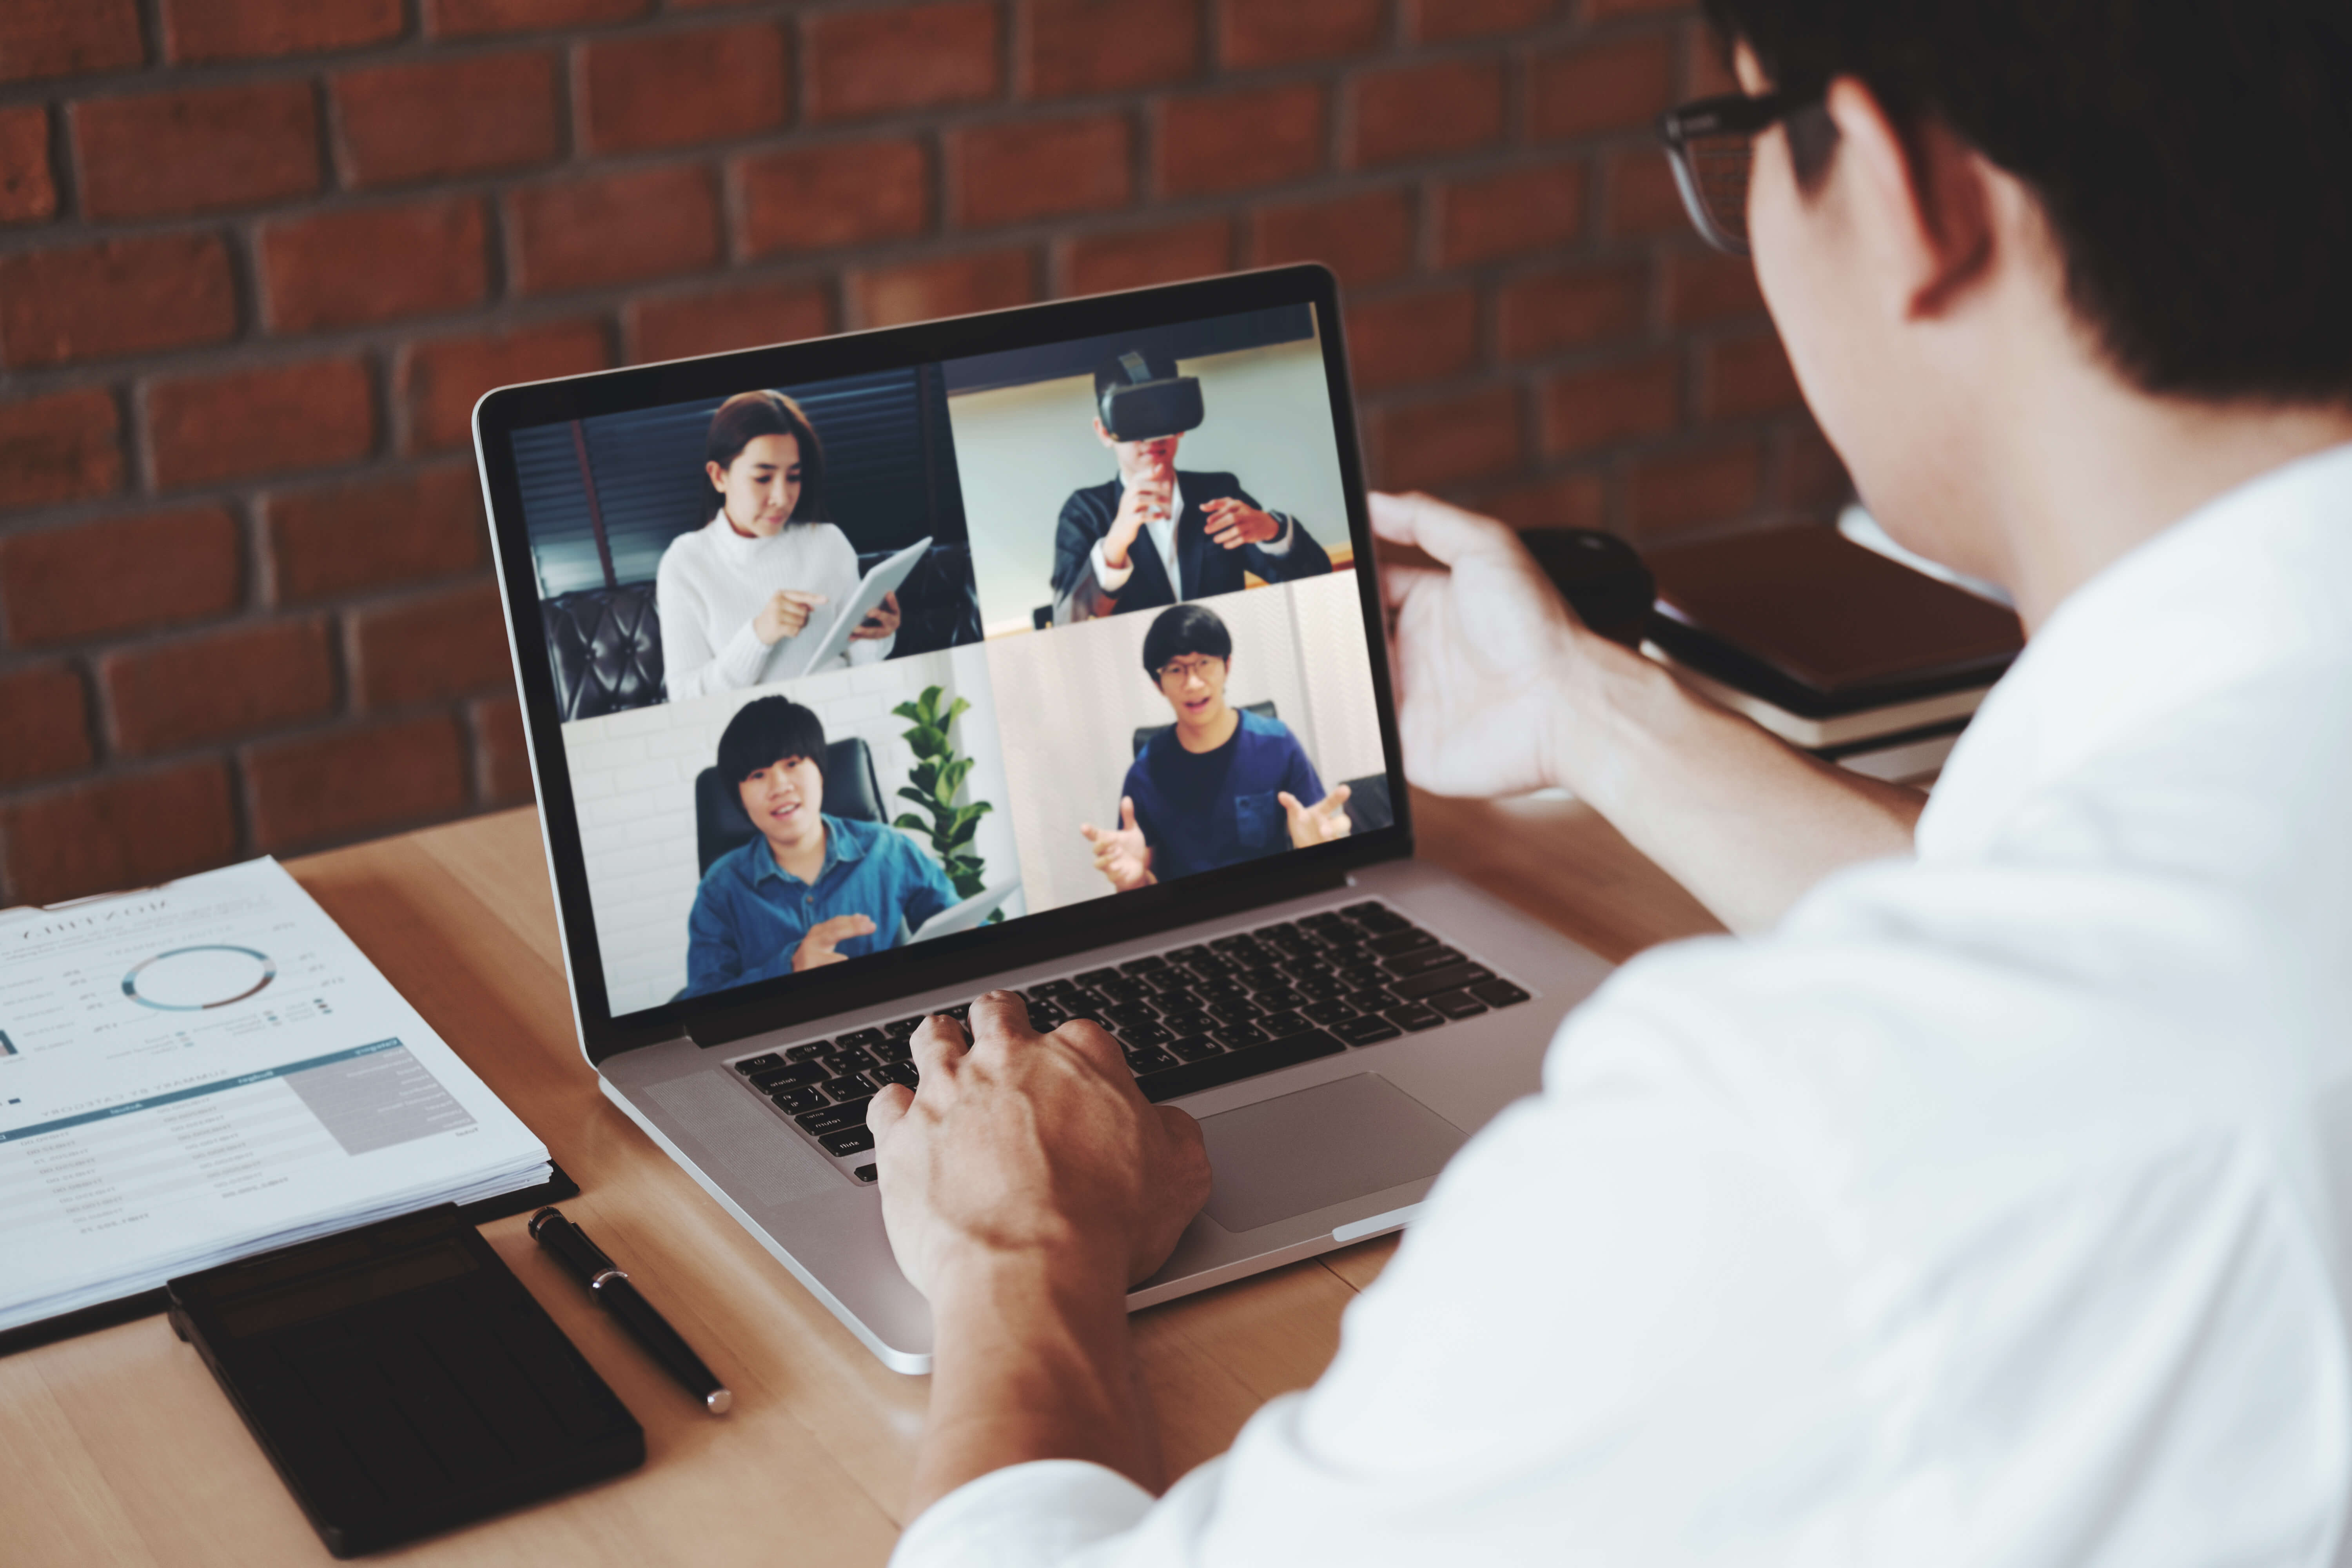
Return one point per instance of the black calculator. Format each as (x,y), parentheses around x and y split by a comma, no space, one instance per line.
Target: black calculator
(401,1380)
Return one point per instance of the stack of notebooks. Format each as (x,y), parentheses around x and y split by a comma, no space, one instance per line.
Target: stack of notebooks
(1833,646)
(197,1072)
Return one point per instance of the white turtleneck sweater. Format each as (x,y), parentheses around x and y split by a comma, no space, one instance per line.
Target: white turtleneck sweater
(713,583)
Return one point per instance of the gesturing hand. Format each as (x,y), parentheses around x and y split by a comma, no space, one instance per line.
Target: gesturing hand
(1480,652)
(1031,1146)
(1233,522)
(1146,500)
(823,937)
(879,622)
(1318,824)
(1121,853)
(784,613)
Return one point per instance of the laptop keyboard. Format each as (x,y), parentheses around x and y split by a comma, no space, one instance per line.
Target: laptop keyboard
(1188,1020)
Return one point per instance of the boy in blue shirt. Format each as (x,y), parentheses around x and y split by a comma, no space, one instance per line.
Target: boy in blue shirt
(811,889)
(1219,787)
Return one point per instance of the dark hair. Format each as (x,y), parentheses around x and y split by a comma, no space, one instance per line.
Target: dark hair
(2194,161)
(1109,373)
(763,732)
(748,416)
(1185,628)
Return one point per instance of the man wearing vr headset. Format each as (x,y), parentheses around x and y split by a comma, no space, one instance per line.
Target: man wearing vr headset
(1153,535)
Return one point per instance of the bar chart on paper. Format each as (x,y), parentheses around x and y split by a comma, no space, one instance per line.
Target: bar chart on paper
(207,1069)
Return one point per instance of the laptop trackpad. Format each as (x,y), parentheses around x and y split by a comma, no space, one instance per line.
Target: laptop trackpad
(1320,1146)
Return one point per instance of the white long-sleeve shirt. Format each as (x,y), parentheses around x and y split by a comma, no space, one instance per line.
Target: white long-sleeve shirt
(1991,1211)
(712,583)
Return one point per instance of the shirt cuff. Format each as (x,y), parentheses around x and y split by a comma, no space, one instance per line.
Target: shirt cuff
(1108,580)
(1023,1516)
(1280,543)
(740,661)
(872,650)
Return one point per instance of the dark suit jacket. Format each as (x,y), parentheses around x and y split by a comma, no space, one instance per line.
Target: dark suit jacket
(1205,568)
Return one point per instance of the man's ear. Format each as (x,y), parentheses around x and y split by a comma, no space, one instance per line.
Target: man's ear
(1919,201)
(1105,436)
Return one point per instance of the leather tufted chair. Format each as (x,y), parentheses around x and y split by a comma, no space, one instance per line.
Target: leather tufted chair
(605,646)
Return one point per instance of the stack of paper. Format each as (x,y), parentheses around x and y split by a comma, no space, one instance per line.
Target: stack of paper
(208,1069)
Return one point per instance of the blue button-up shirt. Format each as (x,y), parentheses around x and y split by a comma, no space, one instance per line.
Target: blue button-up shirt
(749,914)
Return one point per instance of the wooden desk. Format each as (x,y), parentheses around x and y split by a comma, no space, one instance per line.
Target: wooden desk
(117,1446)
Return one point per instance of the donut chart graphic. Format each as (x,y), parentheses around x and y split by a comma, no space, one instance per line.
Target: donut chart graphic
(195,979)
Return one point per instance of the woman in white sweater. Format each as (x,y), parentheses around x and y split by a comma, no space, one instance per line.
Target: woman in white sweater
(750,579)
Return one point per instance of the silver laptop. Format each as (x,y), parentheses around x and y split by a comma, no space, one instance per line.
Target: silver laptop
(1038,649)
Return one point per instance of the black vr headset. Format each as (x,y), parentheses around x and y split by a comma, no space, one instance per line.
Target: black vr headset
(1144,409)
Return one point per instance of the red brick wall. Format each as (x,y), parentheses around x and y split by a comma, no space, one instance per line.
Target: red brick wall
(258,258)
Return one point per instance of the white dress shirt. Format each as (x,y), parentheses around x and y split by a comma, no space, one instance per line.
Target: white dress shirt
(1986,1212)
(1161,527)
(713,583)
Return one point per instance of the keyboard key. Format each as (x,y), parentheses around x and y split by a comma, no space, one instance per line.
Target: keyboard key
(1132,1012)
(796,1075)
(1376,999)
(1233,1036)
(901,1029)
(1377,919)
(792,1101)
(1139,1037)
(1193,1047)
(834,1117)
(1456,1004)
(1193,955)
(1045,1018)
(1452,977)
(1232,1009)
(1414,1015)
(1149,1059)
(1420,960)
(1319,988)
(1399,941)
(1151,964)
(850,1085)
(890,1051)
(1192,1022)
(841,1064)
(1095,977)
(1498,993)
(751,1065)
(849,1141)
(810,1052)
(1368,907)
(1327,1011)
(865,1173)
(896,1072)
(860,1039)
(1231,1066)
(1323,925)
(1281,1026)
(1366,1031)
(1283,1000)
(1053,988)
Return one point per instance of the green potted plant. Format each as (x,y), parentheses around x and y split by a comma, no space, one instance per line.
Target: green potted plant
(936,781)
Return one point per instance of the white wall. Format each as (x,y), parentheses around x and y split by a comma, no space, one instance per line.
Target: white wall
(1073,698)
(632,779)
(1021,450)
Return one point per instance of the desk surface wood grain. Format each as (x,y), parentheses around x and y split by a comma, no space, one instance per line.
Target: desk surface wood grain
(116,1447)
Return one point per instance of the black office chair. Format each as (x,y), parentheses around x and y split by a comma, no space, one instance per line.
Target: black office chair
(852,790)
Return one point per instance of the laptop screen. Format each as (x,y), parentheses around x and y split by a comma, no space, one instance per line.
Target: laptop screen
(848,665)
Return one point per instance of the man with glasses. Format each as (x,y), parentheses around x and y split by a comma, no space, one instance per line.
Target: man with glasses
(1220,785)
(1987,1199)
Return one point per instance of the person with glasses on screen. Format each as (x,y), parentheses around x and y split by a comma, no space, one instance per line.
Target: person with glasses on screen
(1220,785)
(752,578)
(1987,1199)
(1152,536)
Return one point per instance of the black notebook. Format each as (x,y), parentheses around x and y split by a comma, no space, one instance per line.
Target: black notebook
(401,1380)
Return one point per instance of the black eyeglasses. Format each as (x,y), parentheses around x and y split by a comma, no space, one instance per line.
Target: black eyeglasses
(1712,145)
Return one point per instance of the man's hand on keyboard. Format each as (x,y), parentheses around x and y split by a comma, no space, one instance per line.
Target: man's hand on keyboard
(1034,1149)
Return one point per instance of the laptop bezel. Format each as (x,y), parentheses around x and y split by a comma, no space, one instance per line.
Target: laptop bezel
(1035,939)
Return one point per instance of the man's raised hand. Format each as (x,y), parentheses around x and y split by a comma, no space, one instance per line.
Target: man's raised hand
(1121,853)
(1481,652)
(1031,1149)
(1146,500)
(1233,522)
(818,946)
(1318,824)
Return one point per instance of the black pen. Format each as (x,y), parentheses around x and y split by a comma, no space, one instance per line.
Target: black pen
(613,1291)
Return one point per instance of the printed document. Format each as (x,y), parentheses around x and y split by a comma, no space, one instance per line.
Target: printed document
(207,1069)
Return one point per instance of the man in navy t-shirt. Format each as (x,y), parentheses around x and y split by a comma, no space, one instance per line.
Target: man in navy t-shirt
(1218,787)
